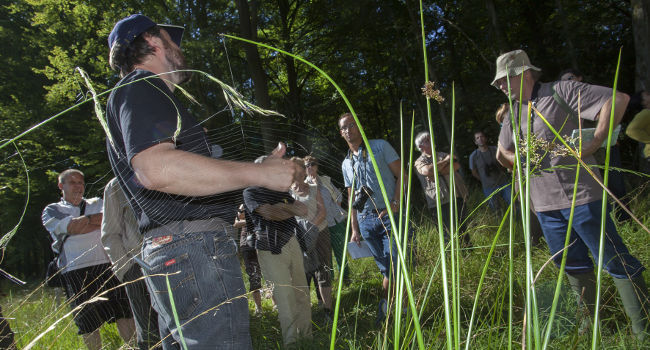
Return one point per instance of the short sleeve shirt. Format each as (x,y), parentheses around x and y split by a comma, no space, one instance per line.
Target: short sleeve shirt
(429,184)
(553,181)
(485,163)
(361,166)
(271,235)
(142,112)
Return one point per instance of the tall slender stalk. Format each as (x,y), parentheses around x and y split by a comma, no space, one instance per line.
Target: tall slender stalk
(603,211)
(441,239)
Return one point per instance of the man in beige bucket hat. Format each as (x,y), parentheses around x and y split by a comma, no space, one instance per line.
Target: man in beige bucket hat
(562,103)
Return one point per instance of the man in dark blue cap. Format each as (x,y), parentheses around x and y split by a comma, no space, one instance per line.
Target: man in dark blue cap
(184,200)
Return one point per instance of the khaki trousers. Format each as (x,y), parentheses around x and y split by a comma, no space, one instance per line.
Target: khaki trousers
(290,291)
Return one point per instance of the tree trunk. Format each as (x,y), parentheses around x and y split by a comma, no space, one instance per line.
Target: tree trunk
(641,29)
(567,35)
(248,30)
(498,34)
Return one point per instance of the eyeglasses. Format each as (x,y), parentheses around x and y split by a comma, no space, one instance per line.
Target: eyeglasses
(347,126)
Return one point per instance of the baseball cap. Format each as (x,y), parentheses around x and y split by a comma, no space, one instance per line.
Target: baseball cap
(511,64)
(128,28)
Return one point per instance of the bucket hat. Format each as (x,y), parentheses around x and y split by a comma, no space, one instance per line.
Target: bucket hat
(511,64)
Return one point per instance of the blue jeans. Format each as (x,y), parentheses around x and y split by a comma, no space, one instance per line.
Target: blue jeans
(504,193)
(585,236)
(377,233)
(205,279)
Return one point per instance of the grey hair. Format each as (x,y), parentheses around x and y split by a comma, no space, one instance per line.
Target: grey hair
(419,138)
(64,174)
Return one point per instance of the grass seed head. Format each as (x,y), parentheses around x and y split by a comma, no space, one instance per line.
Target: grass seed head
(431,92)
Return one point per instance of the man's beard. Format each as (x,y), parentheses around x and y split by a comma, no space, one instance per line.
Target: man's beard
(177,65)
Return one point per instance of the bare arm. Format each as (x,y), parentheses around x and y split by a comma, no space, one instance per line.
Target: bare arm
(505,157)
(84,224)
(354,235)
(475,174)
(281,211)
(320,209)
(395,168)
(164,168)
(602,127)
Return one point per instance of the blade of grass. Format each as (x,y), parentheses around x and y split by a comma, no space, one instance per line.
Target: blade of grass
(445,283)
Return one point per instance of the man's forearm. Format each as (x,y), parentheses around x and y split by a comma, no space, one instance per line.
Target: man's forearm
(602,127)
(81,225)
(354,223)
(276,212)
(95,219)
(164,168)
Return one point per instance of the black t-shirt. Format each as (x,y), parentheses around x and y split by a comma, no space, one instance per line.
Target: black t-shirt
(142,112)
(271,235)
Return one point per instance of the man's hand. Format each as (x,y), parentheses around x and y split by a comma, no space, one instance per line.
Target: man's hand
(592,147)
(602,128)
(279,151)
(355,237)
(394,207)
(278,174)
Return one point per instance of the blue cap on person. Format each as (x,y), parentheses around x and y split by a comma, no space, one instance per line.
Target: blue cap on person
(127,29)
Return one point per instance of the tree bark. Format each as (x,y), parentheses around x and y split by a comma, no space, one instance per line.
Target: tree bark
(248,30)
(498,34)
(641,30)
(567,35)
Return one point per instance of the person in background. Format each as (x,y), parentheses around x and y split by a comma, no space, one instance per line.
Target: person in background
(424,169)
(318,251)
(369,216)
(122,242)
(74,224)
(485,168)
(571,74)
(335,215)
(249,254)
(270,217)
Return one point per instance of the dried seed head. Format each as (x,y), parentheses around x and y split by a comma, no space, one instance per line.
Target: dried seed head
(431,92)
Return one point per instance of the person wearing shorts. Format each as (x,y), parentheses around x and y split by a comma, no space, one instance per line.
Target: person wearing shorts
(74,224)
